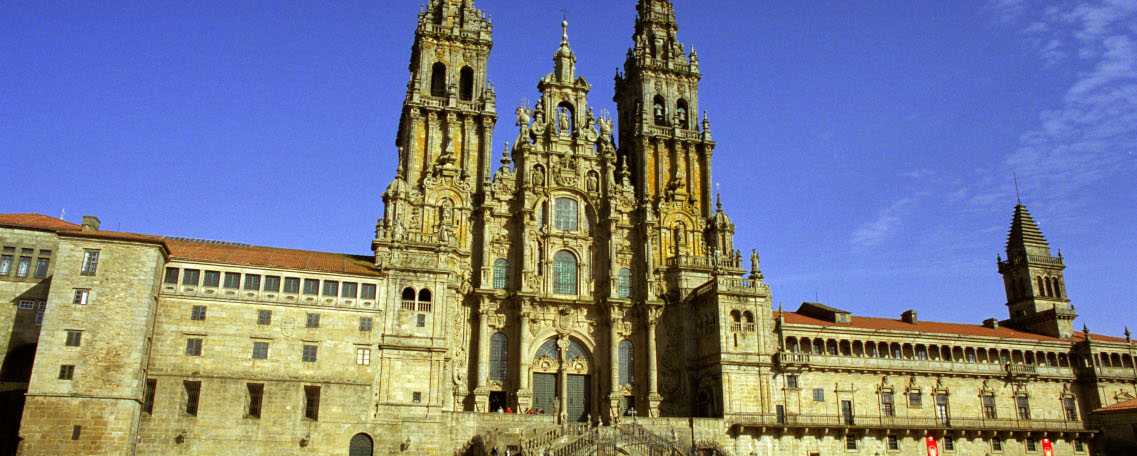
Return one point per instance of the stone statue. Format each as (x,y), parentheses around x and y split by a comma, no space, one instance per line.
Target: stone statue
(593,182)
(565,121)
(538,177)
(523,116)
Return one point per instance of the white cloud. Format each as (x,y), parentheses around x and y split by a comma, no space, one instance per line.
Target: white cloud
(887,220)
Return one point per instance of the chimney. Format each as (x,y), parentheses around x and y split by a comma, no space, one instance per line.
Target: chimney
(992,323)
(90,223)
(909,317)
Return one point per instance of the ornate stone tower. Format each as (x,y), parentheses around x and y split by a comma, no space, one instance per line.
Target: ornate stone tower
(1036,292)
(662,143)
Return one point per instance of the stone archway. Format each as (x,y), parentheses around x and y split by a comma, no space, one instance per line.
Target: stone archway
(562,379)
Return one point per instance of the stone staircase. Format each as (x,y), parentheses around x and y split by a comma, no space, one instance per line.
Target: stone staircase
(580,440)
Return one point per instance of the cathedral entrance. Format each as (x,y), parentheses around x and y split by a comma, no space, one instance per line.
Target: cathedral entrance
(563,366)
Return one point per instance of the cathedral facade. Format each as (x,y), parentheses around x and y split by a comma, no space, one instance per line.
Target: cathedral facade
(580,294)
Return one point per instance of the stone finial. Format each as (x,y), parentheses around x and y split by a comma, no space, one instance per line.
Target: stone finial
(1086,329)
(505,160)
(1128,337)
(718,202)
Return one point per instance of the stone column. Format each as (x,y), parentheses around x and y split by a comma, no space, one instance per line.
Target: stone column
(524,392)
(614,316)
(481,392)
(562,379)
(708,185)
(413,168)
(654,398)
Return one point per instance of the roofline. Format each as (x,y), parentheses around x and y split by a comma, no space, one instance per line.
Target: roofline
(119,237)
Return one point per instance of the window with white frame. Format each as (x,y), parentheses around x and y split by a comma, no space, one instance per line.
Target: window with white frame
(363,356)
(90,263)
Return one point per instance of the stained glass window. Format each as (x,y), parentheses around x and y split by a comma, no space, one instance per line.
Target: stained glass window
(627,368)
(499,356)
(565,215)
(500,274)
(549,348)
(624,283)
(564,273)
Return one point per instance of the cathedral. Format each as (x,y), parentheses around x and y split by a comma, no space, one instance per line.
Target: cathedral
(578,292)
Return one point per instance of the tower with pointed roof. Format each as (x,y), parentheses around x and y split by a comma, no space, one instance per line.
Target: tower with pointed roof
(1036,291)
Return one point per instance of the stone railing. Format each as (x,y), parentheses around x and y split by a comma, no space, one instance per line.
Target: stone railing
(925,365)
(553,438)
(906,423)
(407,237)
(792,359)
(690,261)
(1022,370)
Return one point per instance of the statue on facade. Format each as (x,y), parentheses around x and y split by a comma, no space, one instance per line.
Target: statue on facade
(565,119)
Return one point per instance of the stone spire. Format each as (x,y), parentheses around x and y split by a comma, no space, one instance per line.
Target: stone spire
(564,60)
(1036,289)
(1025,237)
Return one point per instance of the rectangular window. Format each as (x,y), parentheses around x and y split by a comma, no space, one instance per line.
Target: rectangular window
(349,290)
(989,410)
(39,318)
(193,395)
(313,321)
(172,276)
(416,397)
(291,285)
(5,265)
(1079,446)
(780,412)
(915,399)
(565,214)
(82,296)
(42,265)
(25,266)
(365,324)
(368,291)
(74,338)
(260,350)
(264,317)
(887,406)
(42,306)
(272,284)
(148,396)
(331,288)
(1071,408)
(27,304)
(232,280)
(90,262)
(363,356)
(193,346)
(312,402)
(791,381)
(818,395)
(212,279)
(252,282)
(893,443)
(197,313)
(66,372)
(309,355)
(421,321)
(191,277)
(311,287)
(76,431)
(850,442)
(949,443)
(1023,404)
(1031,446)
(256,397)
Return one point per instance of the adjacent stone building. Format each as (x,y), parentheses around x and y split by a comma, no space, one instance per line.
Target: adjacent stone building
(582,296)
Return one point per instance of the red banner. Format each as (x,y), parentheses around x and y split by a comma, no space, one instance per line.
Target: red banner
(933,449)
(1047,448)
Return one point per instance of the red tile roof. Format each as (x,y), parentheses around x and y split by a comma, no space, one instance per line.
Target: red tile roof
(38,221)
(1120,407)
(885,324)
(272,257)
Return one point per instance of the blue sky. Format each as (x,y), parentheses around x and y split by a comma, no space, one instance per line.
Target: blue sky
(866,149)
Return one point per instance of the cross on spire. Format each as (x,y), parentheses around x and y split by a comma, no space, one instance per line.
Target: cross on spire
(564,14)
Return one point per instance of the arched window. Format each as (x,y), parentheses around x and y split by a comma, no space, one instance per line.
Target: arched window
(424,300)
(564,273)
(748,321)
(1041,287)
(627,368)
(681,114)
(659,112)
(575,351)
(499,356)
(566,215)
(1049,288)
(549,349)
(361,445)
(466,84)
(624,283)
(438,80)
(409,299)
(1057,289)
(500,274)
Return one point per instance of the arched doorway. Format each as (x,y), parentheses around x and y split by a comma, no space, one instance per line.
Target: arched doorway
(563,365)
(361,445)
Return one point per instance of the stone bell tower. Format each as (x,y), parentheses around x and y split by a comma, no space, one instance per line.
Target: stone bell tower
(1036,291)
(445,130)
(662,142)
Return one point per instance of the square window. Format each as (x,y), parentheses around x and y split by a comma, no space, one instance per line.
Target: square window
(850,442)
(42,265)
(260,350)
(313,321)
(421,320)
(42,306)
(363,356)
(74,338)
(915,399)
(272,284)
(172,276)
(291,285)
(818,395)
(66,372)
(27,304)
(416,397)
(331,288)
(365,324)
(193,346)
(1031,445)
(24,267)
(90,262)
(212,279)
(368,291)
(311,286)
(232,280)
(264,317)
(191,277)
(197,313)
(349,290)
(5,265)
(791,381)
(893,443)
(252,282)
(1079,446)
(309,355)
(82,296)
